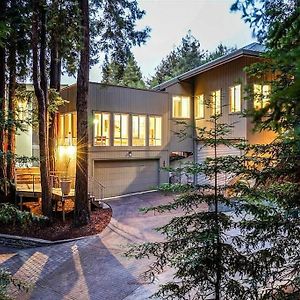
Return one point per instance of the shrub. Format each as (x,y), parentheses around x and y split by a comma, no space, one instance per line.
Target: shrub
(11,215)
(6,278)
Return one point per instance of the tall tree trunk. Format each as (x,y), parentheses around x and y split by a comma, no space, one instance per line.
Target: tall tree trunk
(82,213)
(2,104)
(55,72)
(12,61)
(40,89)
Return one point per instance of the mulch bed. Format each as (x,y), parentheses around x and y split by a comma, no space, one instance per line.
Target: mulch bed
(60,230)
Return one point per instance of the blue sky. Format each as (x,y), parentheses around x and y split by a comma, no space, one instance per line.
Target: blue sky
(210,21)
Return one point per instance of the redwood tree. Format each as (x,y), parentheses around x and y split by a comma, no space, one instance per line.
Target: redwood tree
(40,87)
(82,213)
(3,5)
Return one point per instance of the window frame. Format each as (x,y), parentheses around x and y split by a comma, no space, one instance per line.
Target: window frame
(188,109)
(121,139)
(263,99)
(139,116)
(234,100)
(155,131)
(214,106)
(101,129)
(200,104)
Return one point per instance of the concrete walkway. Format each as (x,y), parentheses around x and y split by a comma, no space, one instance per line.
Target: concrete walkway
(94,267)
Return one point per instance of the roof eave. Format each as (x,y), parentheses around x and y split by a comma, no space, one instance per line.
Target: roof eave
(217,62)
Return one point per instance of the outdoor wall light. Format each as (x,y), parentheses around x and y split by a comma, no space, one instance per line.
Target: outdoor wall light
(129,153)
(67,150)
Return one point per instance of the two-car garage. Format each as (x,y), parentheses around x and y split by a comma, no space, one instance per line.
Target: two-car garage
(121,177)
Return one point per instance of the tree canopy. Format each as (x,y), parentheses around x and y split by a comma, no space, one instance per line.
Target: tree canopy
(185,57)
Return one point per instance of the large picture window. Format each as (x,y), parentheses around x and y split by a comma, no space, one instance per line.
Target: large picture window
(138,130)
(235,98)
(199,107)
(261,95)
(216,102)
(181,107)
(155,130)
(101,129)
(120,130)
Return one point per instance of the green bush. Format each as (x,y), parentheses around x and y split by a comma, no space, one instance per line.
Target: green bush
(11,215)
(6,278)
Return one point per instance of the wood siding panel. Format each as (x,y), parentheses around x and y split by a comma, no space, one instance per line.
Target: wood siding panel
(177,144)
(222,78)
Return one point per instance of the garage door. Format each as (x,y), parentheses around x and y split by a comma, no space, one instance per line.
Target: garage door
(127,176)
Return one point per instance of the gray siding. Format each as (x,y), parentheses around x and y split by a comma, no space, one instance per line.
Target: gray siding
(204,151)
(176,144)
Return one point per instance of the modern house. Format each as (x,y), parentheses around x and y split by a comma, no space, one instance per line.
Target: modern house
(132,132)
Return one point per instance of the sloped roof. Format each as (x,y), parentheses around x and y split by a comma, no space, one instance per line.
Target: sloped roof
(253,49)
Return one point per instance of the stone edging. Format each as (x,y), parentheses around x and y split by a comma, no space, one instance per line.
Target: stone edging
(22,242)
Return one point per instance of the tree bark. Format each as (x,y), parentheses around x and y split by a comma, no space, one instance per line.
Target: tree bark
(55,77)
(40,88)
(12,62)
(2,102)
(82,213)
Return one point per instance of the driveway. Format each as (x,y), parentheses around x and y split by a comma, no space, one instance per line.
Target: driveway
(94,267)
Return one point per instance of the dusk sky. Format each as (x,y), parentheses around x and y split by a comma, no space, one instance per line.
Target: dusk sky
(210,21)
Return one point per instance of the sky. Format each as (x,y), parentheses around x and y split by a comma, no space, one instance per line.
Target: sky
(210,21)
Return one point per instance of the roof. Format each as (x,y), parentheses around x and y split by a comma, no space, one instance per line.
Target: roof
(253,49)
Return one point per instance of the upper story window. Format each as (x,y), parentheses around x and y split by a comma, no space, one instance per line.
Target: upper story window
(216,102)
(181,107)
(261,95)
(199,107)
(139,130)
(67,129)
(235,98)
(101,129)
(155,130)
(120,130)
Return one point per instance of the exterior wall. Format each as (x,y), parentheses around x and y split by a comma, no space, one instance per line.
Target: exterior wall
(114,99)
(222,78)
(255,137)
(176,144)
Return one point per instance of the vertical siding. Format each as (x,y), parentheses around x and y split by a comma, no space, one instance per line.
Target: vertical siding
(222,78)
(176,144)
(204,151)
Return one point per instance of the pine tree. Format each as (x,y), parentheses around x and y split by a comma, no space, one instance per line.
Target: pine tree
(202,244)
(186,56)
(130,76)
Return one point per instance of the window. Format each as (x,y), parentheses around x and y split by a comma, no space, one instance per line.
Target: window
(120,130)
(216,102)
(154,131)
(101,129)
(67,129)
(181,107)
(199,107)
(74,125)
(138,130)
(261,95)
(235,98)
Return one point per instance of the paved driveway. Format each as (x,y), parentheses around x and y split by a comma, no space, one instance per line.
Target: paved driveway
(94,267)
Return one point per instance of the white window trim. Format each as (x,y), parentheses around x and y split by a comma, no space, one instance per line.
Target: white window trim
(121,139)
(235,100)
(201,103)
(188,109)
(214,106)
(101,127)
(155,130)
(139,129)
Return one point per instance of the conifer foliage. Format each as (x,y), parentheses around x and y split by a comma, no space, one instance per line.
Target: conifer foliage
(202,245)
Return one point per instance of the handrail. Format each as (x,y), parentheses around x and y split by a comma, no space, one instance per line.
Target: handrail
(100,186)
